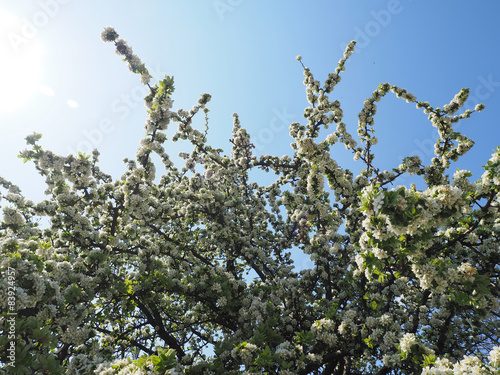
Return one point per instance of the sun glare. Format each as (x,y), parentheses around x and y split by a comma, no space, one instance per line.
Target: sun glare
(20,63)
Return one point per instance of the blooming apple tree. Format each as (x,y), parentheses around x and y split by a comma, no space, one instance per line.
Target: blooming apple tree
(190,268)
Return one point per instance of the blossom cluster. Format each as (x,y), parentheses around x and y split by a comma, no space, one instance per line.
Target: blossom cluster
(122,48)
(201,259)
(468,365)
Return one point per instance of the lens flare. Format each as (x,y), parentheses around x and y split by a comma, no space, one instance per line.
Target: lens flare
(20,63)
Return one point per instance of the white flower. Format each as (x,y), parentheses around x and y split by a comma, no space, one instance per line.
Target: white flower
(217,287)
(208,174)
(109,34)
(379,253)
(407,342)
(468,272)
(145,78)
(331,138)
(494,357)
(12,217)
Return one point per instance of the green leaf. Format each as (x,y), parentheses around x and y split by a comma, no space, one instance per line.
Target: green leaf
(165,360)
(462,298)
(368,342)
(428,360)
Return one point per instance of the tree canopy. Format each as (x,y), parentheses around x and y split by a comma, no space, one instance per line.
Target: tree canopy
(190,268)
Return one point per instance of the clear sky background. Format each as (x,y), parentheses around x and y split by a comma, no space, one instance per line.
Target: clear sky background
(58,78)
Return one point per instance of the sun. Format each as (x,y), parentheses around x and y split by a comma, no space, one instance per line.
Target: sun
(20,63)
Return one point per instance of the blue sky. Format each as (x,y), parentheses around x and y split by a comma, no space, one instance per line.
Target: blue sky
(65,83)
